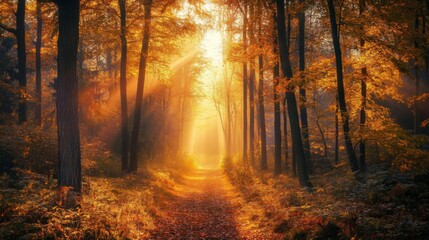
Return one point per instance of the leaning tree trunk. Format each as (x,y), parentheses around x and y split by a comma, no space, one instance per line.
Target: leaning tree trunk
(322,135)
(38,108)
(340,84)
(140,87)
(69,163)
(22,59)
(123,88)
(302,91)
(290,96)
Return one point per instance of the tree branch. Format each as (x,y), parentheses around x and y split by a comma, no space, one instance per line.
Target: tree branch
(8,29)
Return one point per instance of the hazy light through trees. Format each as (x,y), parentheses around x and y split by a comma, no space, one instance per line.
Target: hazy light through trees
(206,142)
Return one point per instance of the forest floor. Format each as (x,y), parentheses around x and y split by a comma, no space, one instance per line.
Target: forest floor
(172,202)
(382,203)
(204,206)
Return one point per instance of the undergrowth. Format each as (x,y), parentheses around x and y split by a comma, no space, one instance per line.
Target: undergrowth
(384,204)
(113,207)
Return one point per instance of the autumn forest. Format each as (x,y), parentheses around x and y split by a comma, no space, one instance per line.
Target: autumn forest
(214,119)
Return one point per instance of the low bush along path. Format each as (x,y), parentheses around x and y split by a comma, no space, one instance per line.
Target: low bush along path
(200,209)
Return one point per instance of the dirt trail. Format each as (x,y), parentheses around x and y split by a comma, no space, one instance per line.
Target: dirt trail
(201,209)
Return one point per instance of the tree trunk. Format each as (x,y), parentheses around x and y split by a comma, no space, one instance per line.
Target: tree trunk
(38,90)
(245,84)
(69,163)
(340,84)
(123,89)
(264,164)
(140,87)
(325,146)
(185,94)
(252,89)
(294,173)
(252,114)
(115,67)
(277,120)
(228,117)
(286,145)
(337,132)
(302,92)
(290,96)
(22,60)
(362,163)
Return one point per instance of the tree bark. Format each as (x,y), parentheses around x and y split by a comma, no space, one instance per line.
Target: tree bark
(277,120)
(123,89)
(69,163)
(337,132)
(38,108)
(252,89)
(245,84)
(362,120)
(286,144)
(290,96)
(140,87)
(264,164)
(22,60)
(302,91)
(340,84)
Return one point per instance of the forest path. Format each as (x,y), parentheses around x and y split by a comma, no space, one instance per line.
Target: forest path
(200,209)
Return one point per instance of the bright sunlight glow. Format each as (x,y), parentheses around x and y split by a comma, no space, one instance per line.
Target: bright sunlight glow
(212,47)
(206,142)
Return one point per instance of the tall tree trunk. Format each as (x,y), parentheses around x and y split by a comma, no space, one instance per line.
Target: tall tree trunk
(285,137)
(115,66)
(340,84)
(264,164)
(185,94)
(290,96)
(362,162)
(228,117)
(302,92)
(22,60)
(69,163)
(277,120)
(288,34)
(140,87)
(123,88)
(245,84)
(252,88)
(263,135)
(252,113)
(337,132)
(38,108)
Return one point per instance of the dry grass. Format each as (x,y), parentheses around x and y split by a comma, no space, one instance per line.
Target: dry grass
(340,206)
